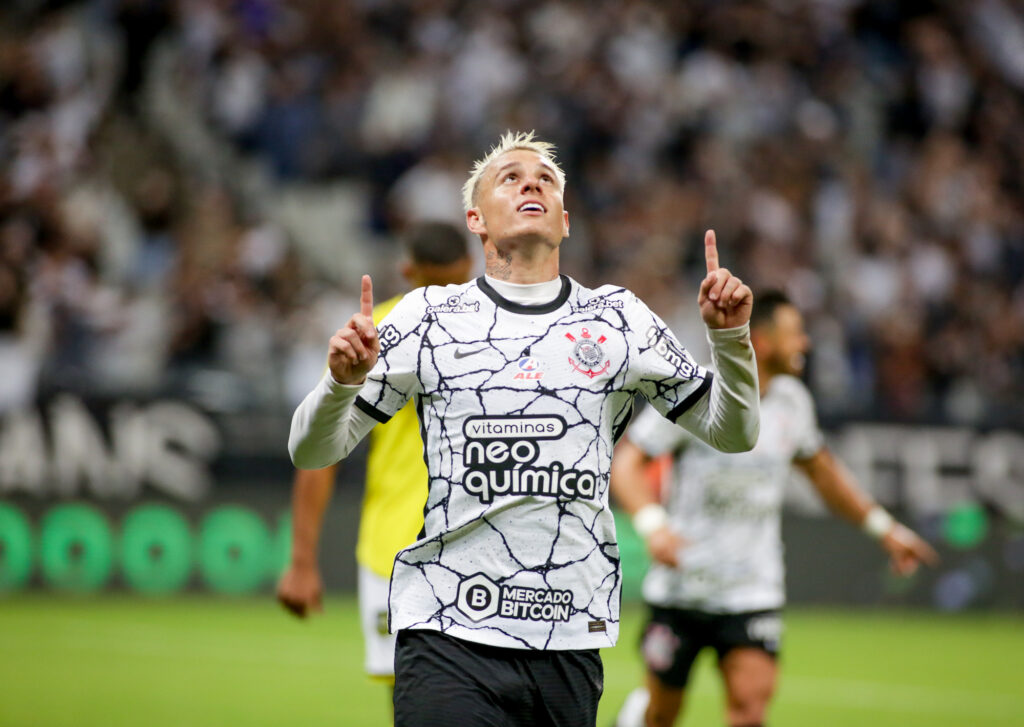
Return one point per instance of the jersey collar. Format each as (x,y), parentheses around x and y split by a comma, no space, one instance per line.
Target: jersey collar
(549,307)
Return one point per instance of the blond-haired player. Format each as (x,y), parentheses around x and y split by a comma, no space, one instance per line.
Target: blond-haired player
(523,380)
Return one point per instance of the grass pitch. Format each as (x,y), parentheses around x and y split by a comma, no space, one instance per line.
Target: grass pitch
(110,661)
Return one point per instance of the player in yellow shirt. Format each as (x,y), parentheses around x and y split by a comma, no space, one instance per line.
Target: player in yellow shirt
(396,478)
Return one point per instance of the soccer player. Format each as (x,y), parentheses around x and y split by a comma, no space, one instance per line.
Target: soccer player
(523,380)
(396,478)
(717,576)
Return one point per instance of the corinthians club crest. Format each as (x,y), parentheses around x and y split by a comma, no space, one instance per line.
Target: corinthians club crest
(587,355)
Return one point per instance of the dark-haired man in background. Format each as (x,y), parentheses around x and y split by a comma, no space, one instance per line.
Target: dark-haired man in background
(396,478)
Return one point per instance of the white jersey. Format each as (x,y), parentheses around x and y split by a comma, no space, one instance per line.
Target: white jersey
(520,407)
(728,506)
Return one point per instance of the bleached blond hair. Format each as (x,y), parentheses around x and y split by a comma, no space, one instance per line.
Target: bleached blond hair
(510,141)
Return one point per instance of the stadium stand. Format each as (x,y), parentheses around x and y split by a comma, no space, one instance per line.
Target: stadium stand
(183,179)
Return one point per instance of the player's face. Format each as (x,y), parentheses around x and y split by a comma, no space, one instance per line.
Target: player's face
(788,341)
(520,199)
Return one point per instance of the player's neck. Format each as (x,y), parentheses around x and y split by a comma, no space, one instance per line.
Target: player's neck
(522,263)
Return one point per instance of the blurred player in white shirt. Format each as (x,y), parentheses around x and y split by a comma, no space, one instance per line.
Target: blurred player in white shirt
(717,574)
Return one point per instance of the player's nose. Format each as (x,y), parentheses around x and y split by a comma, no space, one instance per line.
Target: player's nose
(530,184)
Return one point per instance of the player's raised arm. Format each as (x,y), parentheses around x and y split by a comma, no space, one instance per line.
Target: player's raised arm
(728,416)
(326,427)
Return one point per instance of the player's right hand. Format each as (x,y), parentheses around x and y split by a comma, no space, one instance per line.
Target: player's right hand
(300,590)
(353,350)
(664,545)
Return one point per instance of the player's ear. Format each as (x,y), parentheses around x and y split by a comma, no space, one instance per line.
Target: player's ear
(475,221)
(408,271)
(761,341)
(565,223)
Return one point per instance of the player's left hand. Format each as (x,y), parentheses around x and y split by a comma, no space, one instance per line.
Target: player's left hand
(665,546)
(907,550)
(725,302)
(353,350)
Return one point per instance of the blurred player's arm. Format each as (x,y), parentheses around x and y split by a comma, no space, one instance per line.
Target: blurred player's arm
(837,487)
(300,589)
(631,489)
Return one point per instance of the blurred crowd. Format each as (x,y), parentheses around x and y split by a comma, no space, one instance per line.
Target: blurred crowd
(866,156)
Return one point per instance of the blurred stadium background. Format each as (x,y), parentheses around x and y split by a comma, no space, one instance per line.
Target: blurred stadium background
(189,190)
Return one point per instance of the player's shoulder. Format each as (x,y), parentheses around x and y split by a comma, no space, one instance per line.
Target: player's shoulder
(423,301)
(586,299)
(435,294)
(792,389)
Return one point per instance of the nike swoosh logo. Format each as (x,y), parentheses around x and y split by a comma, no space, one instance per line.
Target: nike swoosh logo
(463,354)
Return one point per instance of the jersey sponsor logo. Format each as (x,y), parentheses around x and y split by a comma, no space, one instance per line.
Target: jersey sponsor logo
(739,494)
(455,304)
(479,598)
(462,354)
(587,354)
(668,349)
(529,369)
(659,647)
(512,427)
(388,335)
(535,604)
(595,304)
(500,455)
(766,629)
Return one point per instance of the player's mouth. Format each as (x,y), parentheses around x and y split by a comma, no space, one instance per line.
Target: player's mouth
(531,207)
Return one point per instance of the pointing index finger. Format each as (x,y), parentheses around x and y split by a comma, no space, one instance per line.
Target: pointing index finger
(710,251)
(366,297)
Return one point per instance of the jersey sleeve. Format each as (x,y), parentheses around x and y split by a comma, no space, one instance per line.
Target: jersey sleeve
(669,378)
(655,435)
(394,380)
(334,417)
(721,408)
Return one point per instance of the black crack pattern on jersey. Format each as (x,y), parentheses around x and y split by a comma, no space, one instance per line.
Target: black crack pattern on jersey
(531,541)
(522,566)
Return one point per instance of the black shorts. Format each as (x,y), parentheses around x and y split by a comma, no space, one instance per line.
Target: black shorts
(441,681)
(674,637)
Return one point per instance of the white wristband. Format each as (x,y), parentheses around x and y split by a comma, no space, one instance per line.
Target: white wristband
(648,519)
(877,523)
